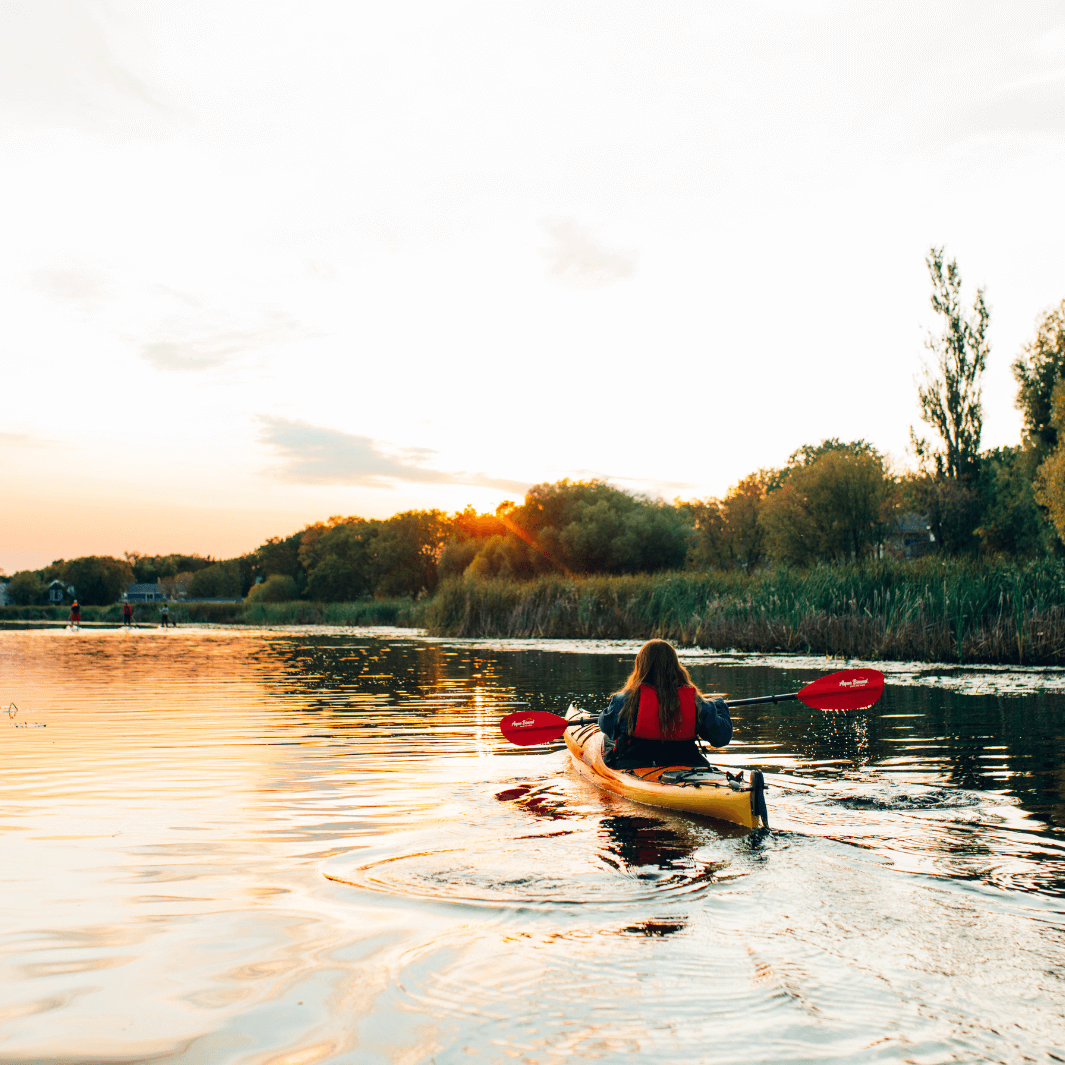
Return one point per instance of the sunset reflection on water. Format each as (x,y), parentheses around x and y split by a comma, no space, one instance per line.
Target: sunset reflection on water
(276,847)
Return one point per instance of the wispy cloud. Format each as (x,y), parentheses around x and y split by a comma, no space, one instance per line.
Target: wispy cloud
(1036,102)
(574,257)
(315,454)
(16,439)
(81,288)
(67,63)
(182,348)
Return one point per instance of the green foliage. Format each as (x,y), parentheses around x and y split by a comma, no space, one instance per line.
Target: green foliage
(727,531)
(470,532)
(951,507)
(1050,482)
(950,396)
(220,580)
(57,614)
(98,579)
(280,555)
(508,557)
(25,588)
(399,612)
(280,588)
(835,505)
(405,552)
(584,527)
(149,569)
(200,613)
(336,559)
(1037,371)
(53,571)
(348,558)
(808,454)
(931,609)
(456,557)
(1010,520)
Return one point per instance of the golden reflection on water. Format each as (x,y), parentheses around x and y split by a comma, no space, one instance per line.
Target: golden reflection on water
(259,847)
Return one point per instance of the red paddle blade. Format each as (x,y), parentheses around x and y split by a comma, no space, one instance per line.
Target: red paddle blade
(532,726)
(853,689)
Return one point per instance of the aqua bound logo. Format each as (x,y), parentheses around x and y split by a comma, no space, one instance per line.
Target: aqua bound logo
(858,682)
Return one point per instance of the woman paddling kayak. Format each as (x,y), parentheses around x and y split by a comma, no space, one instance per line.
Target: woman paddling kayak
(655,718)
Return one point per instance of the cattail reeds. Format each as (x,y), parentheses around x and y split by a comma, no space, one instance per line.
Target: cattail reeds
(929,610)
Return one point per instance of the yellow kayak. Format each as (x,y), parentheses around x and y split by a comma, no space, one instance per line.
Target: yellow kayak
(706,792)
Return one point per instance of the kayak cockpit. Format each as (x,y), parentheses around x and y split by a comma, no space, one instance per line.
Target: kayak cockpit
(712,792)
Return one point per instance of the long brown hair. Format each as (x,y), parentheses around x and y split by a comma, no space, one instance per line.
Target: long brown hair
(658,667)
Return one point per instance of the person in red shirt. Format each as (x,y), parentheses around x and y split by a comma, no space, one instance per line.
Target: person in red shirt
(127,614)
(75,613)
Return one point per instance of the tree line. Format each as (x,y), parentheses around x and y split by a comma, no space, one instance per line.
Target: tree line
(832,501)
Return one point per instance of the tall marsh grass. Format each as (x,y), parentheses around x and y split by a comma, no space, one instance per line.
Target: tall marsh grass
(929,610)
(362,612)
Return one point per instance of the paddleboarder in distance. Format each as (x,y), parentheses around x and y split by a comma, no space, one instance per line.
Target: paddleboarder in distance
(127,614)
(75,614)
(655,718)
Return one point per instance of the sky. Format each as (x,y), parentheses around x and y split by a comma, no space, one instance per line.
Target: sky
(262,263)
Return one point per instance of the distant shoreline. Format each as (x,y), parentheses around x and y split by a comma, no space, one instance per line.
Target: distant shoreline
(931,611)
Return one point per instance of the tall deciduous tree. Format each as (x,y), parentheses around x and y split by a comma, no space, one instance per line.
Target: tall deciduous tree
(1050,482)
(1037,370)
(1011,522)
(220,580)
(405,552)
(727,531)
(25,588)
(949,397)
(835,508)
(584,527)
(98,579)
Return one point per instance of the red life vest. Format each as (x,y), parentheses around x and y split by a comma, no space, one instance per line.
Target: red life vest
(647,716)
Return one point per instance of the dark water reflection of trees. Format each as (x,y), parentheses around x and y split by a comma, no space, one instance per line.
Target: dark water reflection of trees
(1009,743)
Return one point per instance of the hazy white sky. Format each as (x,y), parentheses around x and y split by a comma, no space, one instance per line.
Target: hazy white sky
(263,262)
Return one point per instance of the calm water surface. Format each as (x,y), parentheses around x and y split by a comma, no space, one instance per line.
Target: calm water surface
(288,848)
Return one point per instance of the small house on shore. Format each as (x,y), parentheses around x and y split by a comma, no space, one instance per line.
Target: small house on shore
(143,593)
(57,591)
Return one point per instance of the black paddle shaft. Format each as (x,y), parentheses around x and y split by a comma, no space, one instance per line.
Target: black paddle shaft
(762,699)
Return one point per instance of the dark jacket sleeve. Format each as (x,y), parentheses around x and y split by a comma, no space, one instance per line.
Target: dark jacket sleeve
(715,722)
(608,719)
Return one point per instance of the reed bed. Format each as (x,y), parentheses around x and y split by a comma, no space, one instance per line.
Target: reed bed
(362,612)
(929,610)
(295,612)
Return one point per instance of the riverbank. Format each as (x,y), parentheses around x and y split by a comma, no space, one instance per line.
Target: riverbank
(242,612)
(931,610)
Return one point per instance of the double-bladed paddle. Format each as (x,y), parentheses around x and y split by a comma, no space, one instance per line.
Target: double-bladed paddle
(851,689)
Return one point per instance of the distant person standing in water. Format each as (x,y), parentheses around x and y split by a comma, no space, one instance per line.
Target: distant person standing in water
(166,616)
(656,717)
(75,613)
(127,614)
